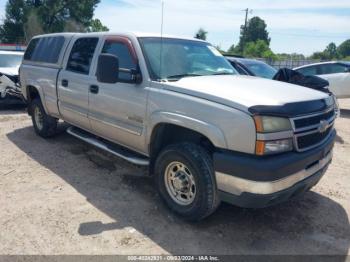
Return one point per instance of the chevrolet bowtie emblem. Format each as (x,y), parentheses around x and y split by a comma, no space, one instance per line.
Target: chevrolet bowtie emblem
(323,126)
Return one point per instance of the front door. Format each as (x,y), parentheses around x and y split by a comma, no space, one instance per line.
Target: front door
(117,111)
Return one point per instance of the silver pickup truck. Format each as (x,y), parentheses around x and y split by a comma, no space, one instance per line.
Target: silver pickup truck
(177,106)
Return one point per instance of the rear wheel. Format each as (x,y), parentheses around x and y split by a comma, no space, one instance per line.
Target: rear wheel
(186,181)
(44,125)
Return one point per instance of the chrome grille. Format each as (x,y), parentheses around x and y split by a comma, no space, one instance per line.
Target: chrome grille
(312,130)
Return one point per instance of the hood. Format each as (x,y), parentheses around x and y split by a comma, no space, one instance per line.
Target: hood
(9,70)
(243,92)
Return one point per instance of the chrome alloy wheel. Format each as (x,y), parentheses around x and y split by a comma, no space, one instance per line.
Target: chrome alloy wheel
(180,183)
(39,118)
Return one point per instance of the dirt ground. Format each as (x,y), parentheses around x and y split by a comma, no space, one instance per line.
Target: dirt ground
(61,196)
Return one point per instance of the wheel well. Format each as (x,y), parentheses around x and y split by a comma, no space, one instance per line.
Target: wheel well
(32,93)
(167,134)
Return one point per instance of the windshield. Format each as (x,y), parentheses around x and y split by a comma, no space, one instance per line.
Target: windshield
(10,60)
(183,58)
(260,69)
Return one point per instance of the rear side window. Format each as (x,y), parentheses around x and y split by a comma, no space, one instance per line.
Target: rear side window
(31,48)
(45,49)
(126,60)
(81,55)
(332,69)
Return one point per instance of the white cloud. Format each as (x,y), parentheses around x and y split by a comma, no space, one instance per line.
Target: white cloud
(222,19)
(289,22)
(254,4)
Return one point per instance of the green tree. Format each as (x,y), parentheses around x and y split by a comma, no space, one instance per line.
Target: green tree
(55,14)
(331,51)
(319,56)
(201,34)
(97,26)
(12,31)
(51,15)
(32,26)
(259,49)
(256,30)
(293,56)
(344,48)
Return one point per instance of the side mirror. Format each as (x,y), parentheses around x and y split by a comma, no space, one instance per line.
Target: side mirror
(107,69)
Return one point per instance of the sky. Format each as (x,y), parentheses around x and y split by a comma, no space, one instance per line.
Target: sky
(295,26)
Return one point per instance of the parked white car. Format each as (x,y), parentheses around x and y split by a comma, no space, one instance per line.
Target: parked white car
(10,91)
(336,73)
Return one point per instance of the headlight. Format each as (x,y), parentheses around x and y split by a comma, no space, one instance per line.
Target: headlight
(270,124)
(266,126)
(273,147)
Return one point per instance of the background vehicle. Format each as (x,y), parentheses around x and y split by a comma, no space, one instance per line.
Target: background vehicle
(252,67)
(336,73)
(10,92)
(258,68)
(176,105)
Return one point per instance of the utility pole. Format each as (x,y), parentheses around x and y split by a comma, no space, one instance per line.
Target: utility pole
(245,28)
(246,18)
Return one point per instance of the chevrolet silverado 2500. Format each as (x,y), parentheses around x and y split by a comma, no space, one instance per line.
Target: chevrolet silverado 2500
(177,106)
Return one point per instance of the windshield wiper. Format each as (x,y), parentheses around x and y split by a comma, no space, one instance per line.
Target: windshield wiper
(222,73)
(178,77)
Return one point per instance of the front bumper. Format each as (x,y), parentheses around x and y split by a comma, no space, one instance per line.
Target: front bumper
(250,181)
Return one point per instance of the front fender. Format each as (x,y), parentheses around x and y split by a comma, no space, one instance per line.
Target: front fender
(213,133)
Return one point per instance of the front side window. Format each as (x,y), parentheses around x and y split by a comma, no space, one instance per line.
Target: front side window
(126,60)
(172,59)
(308,71)
(81,55)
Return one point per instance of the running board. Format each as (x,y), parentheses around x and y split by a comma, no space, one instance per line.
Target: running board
(116,150)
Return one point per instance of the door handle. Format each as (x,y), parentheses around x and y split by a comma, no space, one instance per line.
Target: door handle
(94,89)
(64,82)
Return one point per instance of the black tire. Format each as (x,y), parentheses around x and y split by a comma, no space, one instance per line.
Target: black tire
(200,165)
(49,124)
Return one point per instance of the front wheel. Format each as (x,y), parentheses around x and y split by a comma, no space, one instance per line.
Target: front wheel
(44,125)
(186,181)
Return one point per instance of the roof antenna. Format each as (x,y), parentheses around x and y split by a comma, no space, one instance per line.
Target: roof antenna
(161,43)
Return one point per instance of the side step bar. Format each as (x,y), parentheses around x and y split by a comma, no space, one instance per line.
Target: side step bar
(116,150)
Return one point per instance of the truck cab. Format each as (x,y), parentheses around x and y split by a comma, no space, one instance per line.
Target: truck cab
(176,105)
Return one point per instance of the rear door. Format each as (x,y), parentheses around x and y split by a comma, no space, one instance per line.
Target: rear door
(74,81)
(117,111)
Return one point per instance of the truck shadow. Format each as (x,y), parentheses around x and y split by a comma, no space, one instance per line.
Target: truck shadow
(12,109)
(312,224)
